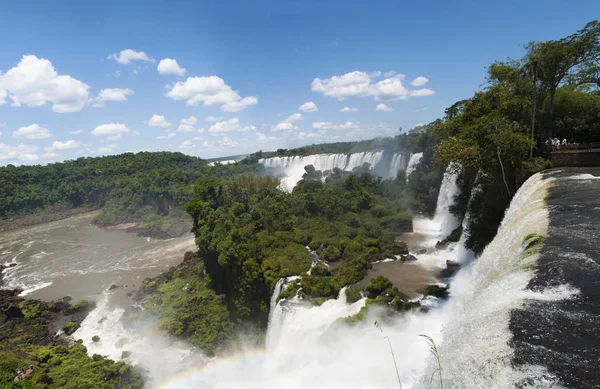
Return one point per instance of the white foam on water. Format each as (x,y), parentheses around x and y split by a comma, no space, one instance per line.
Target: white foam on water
(150,348)
(31,289)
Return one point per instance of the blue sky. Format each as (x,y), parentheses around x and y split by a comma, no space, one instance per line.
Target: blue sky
(218,78)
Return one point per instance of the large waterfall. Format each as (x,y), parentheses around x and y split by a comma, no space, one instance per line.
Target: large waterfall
(307,348)
(291,168)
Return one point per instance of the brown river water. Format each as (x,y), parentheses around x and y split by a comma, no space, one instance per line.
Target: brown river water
(75,258)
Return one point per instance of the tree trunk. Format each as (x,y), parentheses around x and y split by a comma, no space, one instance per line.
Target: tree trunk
(551,111)
(533,119)
(501,164)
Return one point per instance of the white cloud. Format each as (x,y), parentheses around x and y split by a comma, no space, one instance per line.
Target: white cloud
(331,126)
(70,144)
(161,137)
(114,94)
(235,106)
(33,131)
(171,135)
(421,109)
(309,106)
(419,81)
(210,91)
(49,156)
(229,126)
(113,131)
(422,92)
(34,82)
(106,150)
(287,124)
(361,84)
(127,56)
(212,119)
(21,152)
(170,66)
(2,124)
(186,144)
(187,125)
(383,108)
(348,109)
(389,74)
(75,132)
(158,121)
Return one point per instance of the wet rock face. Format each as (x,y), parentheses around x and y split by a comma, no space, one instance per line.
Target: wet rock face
(564,336)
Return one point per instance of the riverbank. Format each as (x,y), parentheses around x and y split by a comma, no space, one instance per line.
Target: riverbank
(45,216)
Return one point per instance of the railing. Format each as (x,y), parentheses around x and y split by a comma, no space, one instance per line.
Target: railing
(570,147)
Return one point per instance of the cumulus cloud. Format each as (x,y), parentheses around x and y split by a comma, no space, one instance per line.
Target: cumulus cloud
(212,119)
(170,66)
(422,92)
(210,91)
(288,124)
(33,131)
(75,132)
(70,144)
(158,121)
(419,81)
(330,126)
(113,131)
(127,56)
(49,155)
(161,137)
(24,153)
(234,106)
(187,125)
(361,84)
(383,108)
(171,135)
(229,126)
(106,150)
(309,106)
(348,109)
(114,94)
(34,82)
(389,74)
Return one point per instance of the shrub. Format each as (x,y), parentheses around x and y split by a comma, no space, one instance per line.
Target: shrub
(377,286)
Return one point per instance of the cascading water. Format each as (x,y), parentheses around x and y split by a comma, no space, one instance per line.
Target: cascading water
(307,348)
(414,160)
(292,168)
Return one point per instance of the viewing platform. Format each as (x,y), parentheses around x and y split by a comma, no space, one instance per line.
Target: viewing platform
(577,155)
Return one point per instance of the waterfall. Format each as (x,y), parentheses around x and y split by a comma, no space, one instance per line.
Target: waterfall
(291,168)
(306,347)
(413,162)
(475,351)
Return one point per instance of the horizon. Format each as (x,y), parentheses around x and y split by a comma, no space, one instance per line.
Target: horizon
(213,80)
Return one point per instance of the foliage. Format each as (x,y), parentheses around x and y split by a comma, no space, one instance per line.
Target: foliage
(27,340)
(436,291)
(377,286)
(434,351)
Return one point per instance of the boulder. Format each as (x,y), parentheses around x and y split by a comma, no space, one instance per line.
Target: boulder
(95,338)
(113,287)
(422,251)
(450,270)
(408,258)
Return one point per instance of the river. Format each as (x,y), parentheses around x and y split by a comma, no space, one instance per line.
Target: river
(75,258)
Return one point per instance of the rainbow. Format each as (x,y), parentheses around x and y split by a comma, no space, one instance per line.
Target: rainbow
(245,356)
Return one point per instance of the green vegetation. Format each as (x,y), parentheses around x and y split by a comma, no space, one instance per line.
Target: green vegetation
(27,338)
(492,136)
(452,238)
(250,234)
(151,188)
